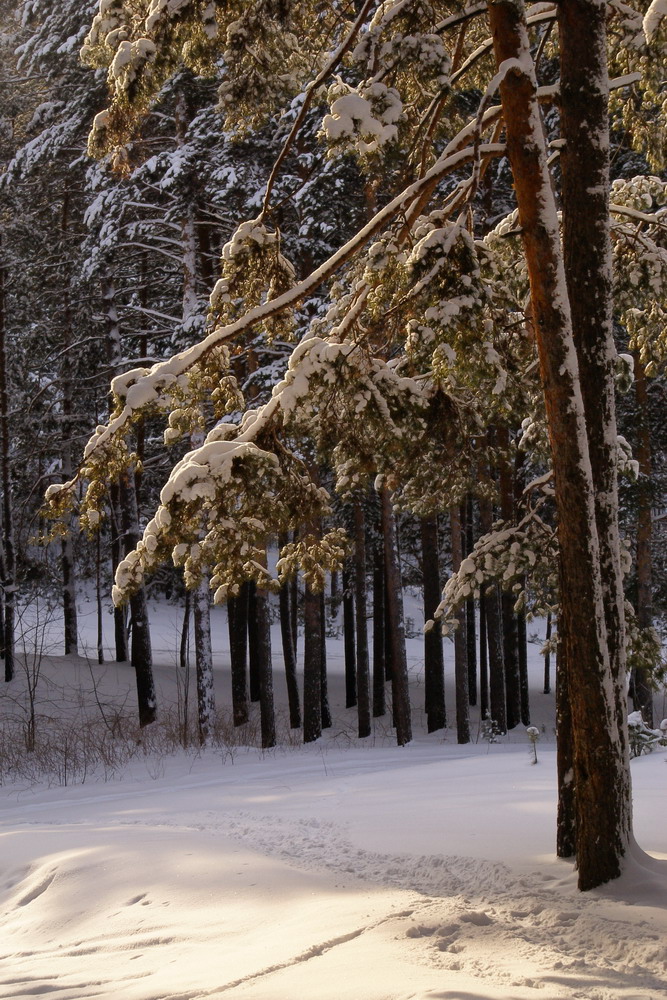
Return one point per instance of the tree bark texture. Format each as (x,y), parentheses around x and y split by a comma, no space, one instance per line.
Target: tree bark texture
(483,661)
(460,644)
(642,691)
(601,775)
(324,687)
(9,575)
(510,637)
(547,658)
(312,666)
(566,821)
(363,678)
(522,648)
(264,668)
(201,602)
(141,653)
(379,639)
(471,638)
(254,652)
(399,668)
(237,620)
(511,662)
(114,352)
(184,645)
(289,658)
(71,630)
(434,659)
(349,640)
(584,110)
(497,702)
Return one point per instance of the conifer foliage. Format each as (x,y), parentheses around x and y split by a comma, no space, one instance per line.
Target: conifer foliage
(445,346)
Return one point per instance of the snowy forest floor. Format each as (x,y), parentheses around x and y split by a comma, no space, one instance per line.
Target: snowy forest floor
(345,869)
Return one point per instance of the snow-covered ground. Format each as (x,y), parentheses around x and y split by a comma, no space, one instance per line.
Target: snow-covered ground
(340,871)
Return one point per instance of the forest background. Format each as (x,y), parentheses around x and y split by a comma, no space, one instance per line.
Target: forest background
(108,264)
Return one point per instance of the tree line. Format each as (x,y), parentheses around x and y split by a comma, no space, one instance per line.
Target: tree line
(455,212)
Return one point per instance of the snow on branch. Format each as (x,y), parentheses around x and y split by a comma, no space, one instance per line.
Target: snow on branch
(653,19)
(140,387)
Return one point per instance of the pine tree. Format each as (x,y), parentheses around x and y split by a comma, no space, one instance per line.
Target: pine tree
(427,343)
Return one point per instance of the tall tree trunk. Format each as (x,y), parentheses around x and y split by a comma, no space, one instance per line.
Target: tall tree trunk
(141,653)
(189,313)
(483,661)
(642,691)
(547,658)
(471,638)
(326,711)
(388,648)
(289,657)
(312,666)
(184,650)
(115,359)
(254,643)
(522,646)
(460,646)
(601,754)
(400,694)
(510,637)
(264,669)
(434,660)
(9,575)
(237,621)
(511,662)
(600,759)
(379,639)
(349,640)
(566,838)
(294,607)
(201,601)
(494,637)
(98,599)
(363,679)
(71,630)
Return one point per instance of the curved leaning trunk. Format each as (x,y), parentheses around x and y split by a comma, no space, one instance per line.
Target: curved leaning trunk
(600,771)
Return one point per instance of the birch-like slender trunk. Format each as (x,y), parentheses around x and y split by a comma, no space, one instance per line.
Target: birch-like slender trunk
(591,637)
